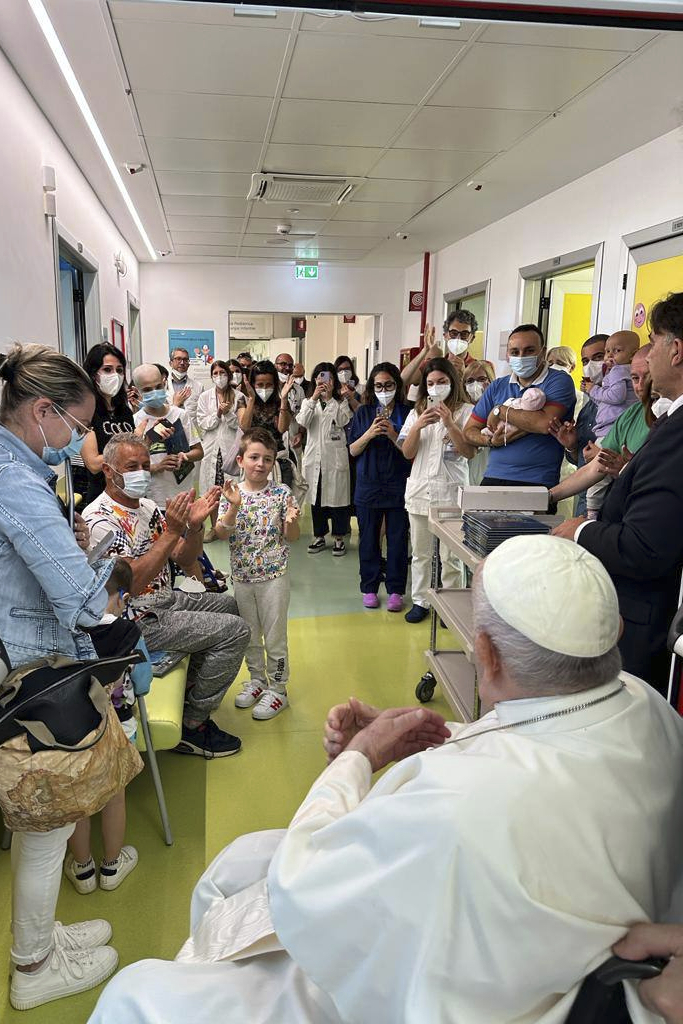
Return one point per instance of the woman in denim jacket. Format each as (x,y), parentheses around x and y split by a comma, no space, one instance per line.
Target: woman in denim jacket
(50,595)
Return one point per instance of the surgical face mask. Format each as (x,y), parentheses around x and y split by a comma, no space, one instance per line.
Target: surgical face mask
(456,346)
(154,399)
(561,366)
(523,366)
(344,376)
(110,383)
(236,379)
(661,407)
(385,397)
(299,380)
(475,389)
(264,393)
(283,377)
(593,370)
(220,380)
(439,391)
(179,374)
(136,483)
(52,456)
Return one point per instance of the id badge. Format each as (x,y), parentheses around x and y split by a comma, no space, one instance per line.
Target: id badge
(449,452)
(335,435)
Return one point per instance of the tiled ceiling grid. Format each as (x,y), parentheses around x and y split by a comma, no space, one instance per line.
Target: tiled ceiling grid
(416,112)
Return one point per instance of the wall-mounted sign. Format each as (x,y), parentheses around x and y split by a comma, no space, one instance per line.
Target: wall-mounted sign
(199,344)
(415,302)
(250,326)
(639,315)
(298,326)
(349,319)
(306,271)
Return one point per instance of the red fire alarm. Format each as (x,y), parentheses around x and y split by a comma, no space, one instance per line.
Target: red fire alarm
(415,302)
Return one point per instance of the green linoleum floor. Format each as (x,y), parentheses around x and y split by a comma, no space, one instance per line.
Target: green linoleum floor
(336,650)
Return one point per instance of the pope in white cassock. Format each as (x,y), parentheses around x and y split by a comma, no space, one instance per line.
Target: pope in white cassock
(484,875)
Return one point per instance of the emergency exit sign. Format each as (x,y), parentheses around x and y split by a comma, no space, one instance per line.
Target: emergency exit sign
(306,270)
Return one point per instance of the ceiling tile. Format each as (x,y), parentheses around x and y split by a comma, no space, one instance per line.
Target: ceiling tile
(352,160)
(387,190)
(367,25)
(200,183)
(205,223)
(359,229)
(516,77)
(202,116)
(267,227)
(428,165)
(206,250)
(293,253)
(204,206)
(201,13)
(468,128)
(201,155)
(393,70)
(351,242)
(392,213)
(583,38)
(307,212)
(169,56)
(329,123)
(205,237)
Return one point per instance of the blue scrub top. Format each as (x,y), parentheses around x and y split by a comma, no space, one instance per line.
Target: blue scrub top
(381,469)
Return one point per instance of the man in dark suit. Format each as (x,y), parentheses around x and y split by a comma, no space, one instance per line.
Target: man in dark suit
(639,536)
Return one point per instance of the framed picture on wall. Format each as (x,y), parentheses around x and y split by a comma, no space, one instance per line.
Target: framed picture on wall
(118,335)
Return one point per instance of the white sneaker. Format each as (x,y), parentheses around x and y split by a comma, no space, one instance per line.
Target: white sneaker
(83,878)
(270,705)
(251,692)
(111,875)
(82,934)
(64,973)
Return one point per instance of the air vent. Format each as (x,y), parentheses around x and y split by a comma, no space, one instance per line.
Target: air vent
(676,226)
(302,188)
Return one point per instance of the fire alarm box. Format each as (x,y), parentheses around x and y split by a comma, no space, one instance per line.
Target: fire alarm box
(406,355)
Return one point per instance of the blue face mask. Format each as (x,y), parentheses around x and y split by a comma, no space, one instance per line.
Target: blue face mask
(523,366)
(56,456)
(155,399)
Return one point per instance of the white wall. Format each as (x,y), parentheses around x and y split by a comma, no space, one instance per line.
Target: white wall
(639,190)
(199,296)
(27,278)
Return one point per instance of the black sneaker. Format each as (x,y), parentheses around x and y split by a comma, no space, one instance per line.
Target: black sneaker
(339,548)
(317,545)
(208,741)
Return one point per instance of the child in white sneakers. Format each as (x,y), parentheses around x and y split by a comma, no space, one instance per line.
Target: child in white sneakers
(259,518)
(111,636)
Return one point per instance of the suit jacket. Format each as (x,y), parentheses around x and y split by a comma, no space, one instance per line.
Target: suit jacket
(639,540)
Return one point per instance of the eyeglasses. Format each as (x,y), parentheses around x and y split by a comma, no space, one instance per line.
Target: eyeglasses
(180,359)
(81,428)
(463,335)
(385,387)
(285,366)
(479,380)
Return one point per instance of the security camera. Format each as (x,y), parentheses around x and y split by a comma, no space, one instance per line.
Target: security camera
(283,229)
(402,235)
(134,168)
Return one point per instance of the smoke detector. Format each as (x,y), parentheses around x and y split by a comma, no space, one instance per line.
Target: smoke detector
(285,236)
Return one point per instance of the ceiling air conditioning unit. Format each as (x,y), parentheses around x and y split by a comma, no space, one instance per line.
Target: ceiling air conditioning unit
(323,190)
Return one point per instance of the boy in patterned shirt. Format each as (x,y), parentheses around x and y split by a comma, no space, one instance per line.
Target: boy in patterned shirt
(259,518)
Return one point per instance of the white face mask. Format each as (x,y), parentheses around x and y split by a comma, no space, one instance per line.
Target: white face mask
(456,346)
(110,383)
(661,407)
(299,380)
(236,379)
(593,370)
(344,376)
(385,397)
(179,374)
(264,393)
(561,366)
(137,483)
(221,380)
(475,389)
(413,393)
(283,377)
(439,391)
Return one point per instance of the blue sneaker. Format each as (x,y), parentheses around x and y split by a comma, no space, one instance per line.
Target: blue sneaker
(416,614)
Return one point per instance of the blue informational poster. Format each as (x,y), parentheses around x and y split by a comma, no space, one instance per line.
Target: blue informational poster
(199,344)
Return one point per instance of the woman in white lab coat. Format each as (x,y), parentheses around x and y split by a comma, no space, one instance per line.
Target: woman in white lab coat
(220,410)
(432,436)
(326,460)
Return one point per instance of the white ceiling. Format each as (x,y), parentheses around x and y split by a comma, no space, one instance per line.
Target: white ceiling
(215,97)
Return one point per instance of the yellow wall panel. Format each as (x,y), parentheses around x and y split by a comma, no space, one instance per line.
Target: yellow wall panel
(655,281)
(576,322)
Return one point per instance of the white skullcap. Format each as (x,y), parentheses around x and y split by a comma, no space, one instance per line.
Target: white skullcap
(555,593)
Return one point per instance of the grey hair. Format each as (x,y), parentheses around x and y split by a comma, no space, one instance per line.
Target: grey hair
(119,441)
(31,372)
(463,316)
(179,348)
(533,668)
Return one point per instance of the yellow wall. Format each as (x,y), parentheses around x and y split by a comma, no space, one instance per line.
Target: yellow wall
(576,322)
(654,281)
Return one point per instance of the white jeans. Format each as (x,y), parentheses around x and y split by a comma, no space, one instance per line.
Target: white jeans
(452,569)
(264,607)
(37,859)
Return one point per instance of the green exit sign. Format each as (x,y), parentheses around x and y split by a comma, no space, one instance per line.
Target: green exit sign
(306,270)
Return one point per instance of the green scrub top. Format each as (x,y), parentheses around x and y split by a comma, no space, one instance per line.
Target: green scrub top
(630,430)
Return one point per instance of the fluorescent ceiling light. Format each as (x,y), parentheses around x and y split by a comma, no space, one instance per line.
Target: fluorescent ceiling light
(255,12)
(438,23)
(60,56)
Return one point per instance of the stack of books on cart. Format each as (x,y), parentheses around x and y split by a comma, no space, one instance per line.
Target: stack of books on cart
(484,531)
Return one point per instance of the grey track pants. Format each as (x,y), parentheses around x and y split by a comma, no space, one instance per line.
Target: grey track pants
(208,627)
(264,605)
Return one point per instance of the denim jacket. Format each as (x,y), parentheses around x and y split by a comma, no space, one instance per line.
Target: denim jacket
(48,591)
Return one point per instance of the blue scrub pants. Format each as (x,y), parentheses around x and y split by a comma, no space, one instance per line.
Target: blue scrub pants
(397,532)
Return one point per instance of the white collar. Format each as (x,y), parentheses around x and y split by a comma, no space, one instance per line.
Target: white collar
(676,404)
(514,379)
(520,710)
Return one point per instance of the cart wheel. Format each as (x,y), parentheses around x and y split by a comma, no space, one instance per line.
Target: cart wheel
(425,688)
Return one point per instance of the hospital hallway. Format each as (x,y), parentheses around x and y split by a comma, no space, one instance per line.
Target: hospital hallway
(337,649)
